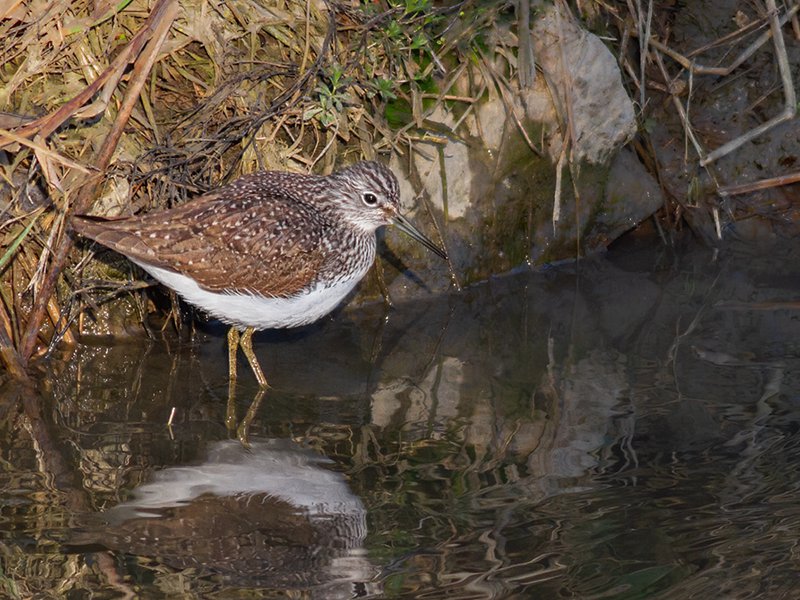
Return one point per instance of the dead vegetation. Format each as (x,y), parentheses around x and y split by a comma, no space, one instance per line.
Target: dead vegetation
(693,74)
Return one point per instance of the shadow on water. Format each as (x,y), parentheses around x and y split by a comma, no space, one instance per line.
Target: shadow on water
(626,428)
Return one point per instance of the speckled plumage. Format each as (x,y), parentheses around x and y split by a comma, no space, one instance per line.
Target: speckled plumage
(269,250)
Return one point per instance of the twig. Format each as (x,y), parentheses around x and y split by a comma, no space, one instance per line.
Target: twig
(763,184)
(679,107)
(699,69)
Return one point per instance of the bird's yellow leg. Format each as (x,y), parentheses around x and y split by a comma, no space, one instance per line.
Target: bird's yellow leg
(246,342)
(233,344)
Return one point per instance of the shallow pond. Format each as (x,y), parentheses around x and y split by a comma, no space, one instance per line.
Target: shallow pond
(622,428)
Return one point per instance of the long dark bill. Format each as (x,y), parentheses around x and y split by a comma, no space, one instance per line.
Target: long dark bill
(406,227)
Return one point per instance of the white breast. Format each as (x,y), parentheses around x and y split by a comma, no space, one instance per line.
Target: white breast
(258,311)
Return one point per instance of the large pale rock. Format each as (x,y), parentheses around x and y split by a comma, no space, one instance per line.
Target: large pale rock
(475,185)
(584,79)
(492,198)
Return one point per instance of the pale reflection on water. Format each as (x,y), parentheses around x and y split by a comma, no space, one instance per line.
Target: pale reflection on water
(269,514)
(626,428)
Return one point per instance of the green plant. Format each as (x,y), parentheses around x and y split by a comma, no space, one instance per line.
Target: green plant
(332,96)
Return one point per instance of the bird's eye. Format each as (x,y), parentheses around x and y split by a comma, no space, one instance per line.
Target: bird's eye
(370,199)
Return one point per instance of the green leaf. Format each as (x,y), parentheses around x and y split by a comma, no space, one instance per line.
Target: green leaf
(310,113)
(15,244)
(419,41)
(393,30)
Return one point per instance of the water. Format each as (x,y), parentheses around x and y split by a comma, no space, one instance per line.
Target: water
(626,428)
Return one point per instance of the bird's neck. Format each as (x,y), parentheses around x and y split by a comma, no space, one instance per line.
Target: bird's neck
(353,254)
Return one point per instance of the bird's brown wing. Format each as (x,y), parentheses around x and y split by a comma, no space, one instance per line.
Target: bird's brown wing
(246,245)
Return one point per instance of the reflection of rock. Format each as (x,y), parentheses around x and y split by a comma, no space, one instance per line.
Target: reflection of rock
(594,393)
(505,381)
(268,515)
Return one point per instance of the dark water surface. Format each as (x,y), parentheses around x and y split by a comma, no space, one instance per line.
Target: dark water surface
(624,428)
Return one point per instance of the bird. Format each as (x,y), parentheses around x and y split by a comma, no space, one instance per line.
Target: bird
(270,250)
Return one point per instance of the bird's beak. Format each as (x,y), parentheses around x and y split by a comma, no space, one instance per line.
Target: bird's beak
(406,227)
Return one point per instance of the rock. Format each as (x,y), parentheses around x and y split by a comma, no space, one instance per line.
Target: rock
(493,198)
(598,108)
(631,196)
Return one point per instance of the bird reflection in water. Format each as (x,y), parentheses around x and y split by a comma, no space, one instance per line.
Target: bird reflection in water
(271,515)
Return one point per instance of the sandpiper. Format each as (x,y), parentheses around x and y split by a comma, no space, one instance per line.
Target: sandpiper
(270,250)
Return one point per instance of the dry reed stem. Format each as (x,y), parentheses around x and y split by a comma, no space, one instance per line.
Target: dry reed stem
(653,51)
(527,60)
(644,28)
(568,136)
(775,21)
(42,151)
(503,86)
(699,69)
(762,184)
(795,26)
(679,108)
